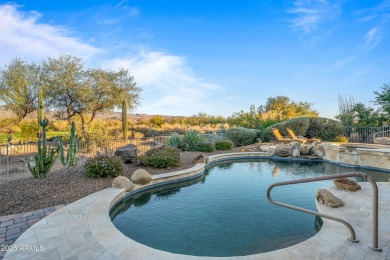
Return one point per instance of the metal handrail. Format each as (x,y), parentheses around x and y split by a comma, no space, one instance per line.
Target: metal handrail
(381,132)
(364,176)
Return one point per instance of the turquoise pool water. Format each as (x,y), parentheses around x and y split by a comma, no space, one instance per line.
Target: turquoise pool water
(226,212)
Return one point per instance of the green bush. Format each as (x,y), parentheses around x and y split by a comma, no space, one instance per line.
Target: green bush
(103,165)
(316,127)
(224,145)
(162,157)
(28,131)
(241,136)
(191,139)
(205,147)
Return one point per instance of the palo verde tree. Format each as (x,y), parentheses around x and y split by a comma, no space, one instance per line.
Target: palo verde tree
(19,83)
(86,92)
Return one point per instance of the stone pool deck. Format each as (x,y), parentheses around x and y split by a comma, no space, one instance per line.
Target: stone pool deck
(83,230)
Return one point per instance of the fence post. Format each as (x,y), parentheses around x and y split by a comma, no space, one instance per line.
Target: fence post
(7,161)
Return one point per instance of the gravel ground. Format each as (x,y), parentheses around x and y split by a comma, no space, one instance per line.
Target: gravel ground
(68,185)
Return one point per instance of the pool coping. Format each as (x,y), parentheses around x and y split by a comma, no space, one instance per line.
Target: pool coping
(84,228)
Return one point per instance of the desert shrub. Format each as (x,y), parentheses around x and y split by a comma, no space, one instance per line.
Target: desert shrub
(103,165)
(59,125)
(191,139)
(224,145)
(342,139)
(138,135)
(259,133)
(322,128)
(212,137)
(161,157)
(241,136)
(174,141)
(28,130)
(11,129)
(205,147)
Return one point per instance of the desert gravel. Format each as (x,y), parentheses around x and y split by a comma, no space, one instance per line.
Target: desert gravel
(64,186)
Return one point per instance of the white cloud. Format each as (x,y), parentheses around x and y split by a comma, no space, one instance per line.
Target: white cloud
(168,83)
(23,36)
(372,38)
(310,14)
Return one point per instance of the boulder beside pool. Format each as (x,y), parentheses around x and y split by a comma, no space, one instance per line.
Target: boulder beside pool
(326,197)
(127,153)
(122,182)
(347,184)
(141,176)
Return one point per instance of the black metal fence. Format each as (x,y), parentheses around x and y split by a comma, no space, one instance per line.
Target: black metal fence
(14,157)
(364,134)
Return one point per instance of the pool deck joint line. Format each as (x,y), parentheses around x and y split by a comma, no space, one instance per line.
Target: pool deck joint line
(84,229)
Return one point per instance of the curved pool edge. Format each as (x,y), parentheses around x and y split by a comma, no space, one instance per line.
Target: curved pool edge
(84,228)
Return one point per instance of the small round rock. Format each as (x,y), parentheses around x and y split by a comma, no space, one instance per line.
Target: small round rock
(122,182)
(141,176)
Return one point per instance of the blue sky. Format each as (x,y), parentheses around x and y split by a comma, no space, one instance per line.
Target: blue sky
(214,56)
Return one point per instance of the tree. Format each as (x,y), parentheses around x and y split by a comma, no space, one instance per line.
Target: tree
(383,98)
(282,108)
(346,113)
(85,93)
(366,116)
(157,121)
(19,83)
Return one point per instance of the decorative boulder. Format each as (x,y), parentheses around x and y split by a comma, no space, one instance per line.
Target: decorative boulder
(305,150)
(326,197)
(122,182)
(283,151)
(347,184)
(201,158)
(296,152)
(127,153)
(141,176)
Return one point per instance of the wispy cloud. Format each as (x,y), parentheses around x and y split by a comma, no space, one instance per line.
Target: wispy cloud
(168,81)
(372,38)
(22,35)
(169,84)
(310,14)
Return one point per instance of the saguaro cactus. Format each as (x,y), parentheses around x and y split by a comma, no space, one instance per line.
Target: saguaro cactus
(46,157)
(40,111)
(124,120)
(70,159)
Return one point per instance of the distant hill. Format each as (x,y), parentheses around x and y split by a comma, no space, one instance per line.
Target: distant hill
(5,113)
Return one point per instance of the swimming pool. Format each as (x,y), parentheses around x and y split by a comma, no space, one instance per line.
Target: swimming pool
(226,213)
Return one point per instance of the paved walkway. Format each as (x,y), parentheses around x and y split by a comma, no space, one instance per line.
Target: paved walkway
(83,229)
(12,226)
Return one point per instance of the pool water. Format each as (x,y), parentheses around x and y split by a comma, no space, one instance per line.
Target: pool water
(226,212)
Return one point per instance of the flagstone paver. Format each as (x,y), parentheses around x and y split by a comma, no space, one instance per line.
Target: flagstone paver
(13,226)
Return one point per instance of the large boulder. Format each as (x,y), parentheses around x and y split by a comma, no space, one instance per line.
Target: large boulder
(283,150)
(326,197)
(127,153)
(122,182)
(347,184)
(141,176)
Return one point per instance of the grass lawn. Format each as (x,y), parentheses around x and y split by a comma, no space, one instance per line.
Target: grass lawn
(3,137)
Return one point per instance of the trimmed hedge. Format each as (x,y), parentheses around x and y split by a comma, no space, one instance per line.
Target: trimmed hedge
(241,136)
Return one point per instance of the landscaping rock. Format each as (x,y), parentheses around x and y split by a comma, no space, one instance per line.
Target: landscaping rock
(122,182)
(305,149)
(127,153)
(347,184)
(326,197)
(201,158)
(283,150)
(141,176)
(296,152)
